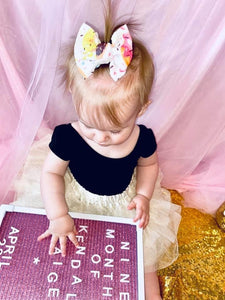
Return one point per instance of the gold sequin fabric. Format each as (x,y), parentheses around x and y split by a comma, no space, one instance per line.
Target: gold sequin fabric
(199,271)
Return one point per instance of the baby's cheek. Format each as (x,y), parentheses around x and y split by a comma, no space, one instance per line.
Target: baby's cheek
(122,137)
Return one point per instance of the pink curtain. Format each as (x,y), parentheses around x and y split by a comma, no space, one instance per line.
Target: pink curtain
(187,40)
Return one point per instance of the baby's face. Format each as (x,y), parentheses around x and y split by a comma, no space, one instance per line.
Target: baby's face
(106,134)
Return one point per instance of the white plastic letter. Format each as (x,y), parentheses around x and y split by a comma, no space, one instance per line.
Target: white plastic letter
(80,250)
(75,264)
(108,262)
(124,296)
(13,239)
(125,245)
(124,278)
(108,289)
(52,277)
(13,230)
(57,250)
(3,243)
(96,273)
(4,264)
(125,259)
(96,261)
(70,295)
(76,280)
(109,276)
(54,291)
(9,249)
(109,249)
(83,228)
(110,233)
(80,238)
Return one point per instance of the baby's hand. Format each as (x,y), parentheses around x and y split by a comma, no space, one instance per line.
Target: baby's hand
(141,203)
(60,229)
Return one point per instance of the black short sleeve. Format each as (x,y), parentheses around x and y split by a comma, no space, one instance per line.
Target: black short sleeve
(147,143)
(99,174)
(60,142)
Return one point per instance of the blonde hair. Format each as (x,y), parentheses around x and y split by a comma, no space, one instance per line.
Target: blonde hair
(100,94)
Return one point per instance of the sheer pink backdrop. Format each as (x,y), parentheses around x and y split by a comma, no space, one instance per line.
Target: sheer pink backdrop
(187,40)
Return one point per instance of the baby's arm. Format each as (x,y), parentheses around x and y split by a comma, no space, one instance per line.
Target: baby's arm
(147,173)
(61,225)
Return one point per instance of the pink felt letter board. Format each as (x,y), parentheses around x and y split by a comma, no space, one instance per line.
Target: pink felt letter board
(108,264)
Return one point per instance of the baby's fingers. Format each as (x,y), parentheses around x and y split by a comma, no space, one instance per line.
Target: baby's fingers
(44,235)
(131,205)
(73,239)
(53,243)
(62,242)
(144,221)
(138,214)
(143,217)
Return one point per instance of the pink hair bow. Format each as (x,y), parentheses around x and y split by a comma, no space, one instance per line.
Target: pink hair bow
(90,53)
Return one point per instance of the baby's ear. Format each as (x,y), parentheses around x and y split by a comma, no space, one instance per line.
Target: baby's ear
(144,108)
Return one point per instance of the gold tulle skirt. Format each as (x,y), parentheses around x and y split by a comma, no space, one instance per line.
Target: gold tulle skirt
(160,235)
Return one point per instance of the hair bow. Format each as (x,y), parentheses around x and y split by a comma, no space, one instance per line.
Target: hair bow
(90,53)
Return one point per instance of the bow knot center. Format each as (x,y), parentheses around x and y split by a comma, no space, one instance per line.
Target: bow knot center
(100,48)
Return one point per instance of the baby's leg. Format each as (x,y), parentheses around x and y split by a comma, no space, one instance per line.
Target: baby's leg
(152,290)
